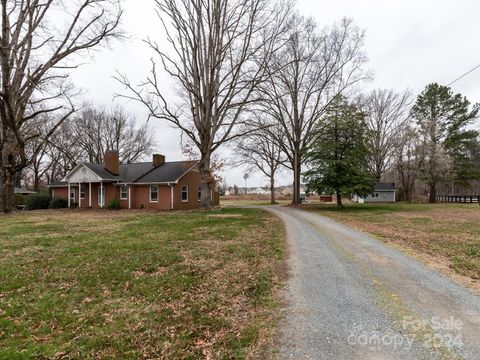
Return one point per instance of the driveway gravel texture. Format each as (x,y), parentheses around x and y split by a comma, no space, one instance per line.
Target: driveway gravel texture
(350,296)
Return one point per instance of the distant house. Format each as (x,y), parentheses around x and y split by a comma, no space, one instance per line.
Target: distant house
(153,185)
(382,193)
(262,191)
(23,191)
(287,191)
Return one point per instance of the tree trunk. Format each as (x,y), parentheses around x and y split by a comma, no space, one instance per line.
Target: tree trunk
(297,169)
(272,190)
(207,181)
(36,183)
(410,189)
(7,189)
(433,193)
(407,195)
(7,174)
(378,173)
(18,179)
(339,200)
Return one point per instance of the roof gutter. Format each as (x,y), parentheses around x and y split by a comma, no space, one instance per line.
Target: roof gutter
(154,183)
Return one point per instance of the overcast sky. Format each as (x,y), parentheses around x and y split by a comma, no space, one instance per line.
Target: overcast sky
(409,44)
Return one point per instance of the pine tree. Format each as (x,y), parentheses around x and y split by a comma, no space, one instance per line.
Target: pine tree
(442,118)
(339,157)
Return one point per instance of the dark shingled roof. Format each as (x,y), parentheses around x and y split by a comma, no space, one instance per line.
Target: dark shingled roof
(384,186)
(21,190)
(58,183)
(100,170)
(131,172)
(140,172)
(168,172)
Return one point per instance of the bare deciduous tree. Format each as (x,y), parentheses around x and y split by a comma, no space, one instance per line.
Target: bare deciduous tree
(220,49)
(99,130)
(35,49)
(37,150)
(387,114)
(84,137)
(311,69)
(64,153)
(408,159)
(260,151)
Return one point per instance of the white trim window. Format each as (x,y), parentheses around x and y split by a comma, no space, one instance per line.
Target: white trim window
(82,191)
(153,193)
(184,193)
(73,195)
(124,192)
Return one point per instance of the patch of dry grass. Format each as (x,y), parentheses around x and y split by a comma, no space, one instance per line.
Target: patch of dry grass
(133,284)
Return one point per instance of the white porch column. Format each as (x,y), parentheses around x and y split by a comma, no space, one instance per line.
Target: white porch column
(90,194)
(79,195)
(102,193)
(171,197)
(129,197)
(68,194)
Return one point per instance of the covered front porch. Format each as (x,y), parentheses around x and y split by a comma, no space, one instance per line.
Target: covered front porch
(86,194)
(98,194)
(87,188)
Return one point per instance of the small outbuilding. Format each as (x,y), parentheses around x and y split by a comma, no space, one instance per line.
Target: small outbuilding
(382,193)
(24,191)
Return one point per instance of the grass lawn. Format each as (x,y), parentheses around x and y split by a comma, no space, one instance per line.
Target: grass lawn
(241,202)
(447,234)
(139,284)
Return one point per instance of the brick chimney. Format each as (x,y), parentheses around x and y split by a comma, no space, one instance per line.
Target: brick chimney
(158,160)
(112,162)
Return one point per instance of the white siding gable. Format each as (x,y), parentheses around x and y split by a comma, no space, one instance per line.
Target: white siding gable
(82,174)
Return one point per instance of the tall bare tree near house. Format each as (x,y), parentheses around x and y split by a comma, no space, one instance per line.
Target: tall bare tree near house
(312,68)
(260,151)
(218,57)
(36,55)
(98,130)
(85,136)
(408,159)
(37,150)
(387,114)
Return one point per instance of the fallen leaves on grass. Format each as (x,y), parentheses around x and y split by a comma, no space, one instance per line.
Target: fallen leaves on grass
(140,284)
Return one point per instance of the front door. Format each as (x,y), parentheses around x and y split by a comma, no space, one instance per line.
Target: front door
(101,196)
(73,196)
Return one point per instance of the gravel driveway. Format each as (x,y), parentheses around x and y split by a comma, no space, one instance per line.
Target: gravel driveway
(350,296)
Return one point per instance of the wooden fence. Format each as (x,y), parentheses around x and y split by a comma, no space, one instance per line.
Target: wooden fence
(467,199)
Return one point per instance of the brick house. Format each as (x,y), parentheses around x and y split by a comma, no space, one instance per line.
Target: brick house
(151,185)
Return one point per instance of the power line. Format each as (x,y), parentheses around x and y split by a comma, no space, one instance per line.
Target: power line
(461,77)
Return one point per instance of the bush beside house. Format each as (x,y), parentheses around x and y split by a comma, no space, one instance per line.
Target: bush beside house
(38,201)
(114,205)
(58,203)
